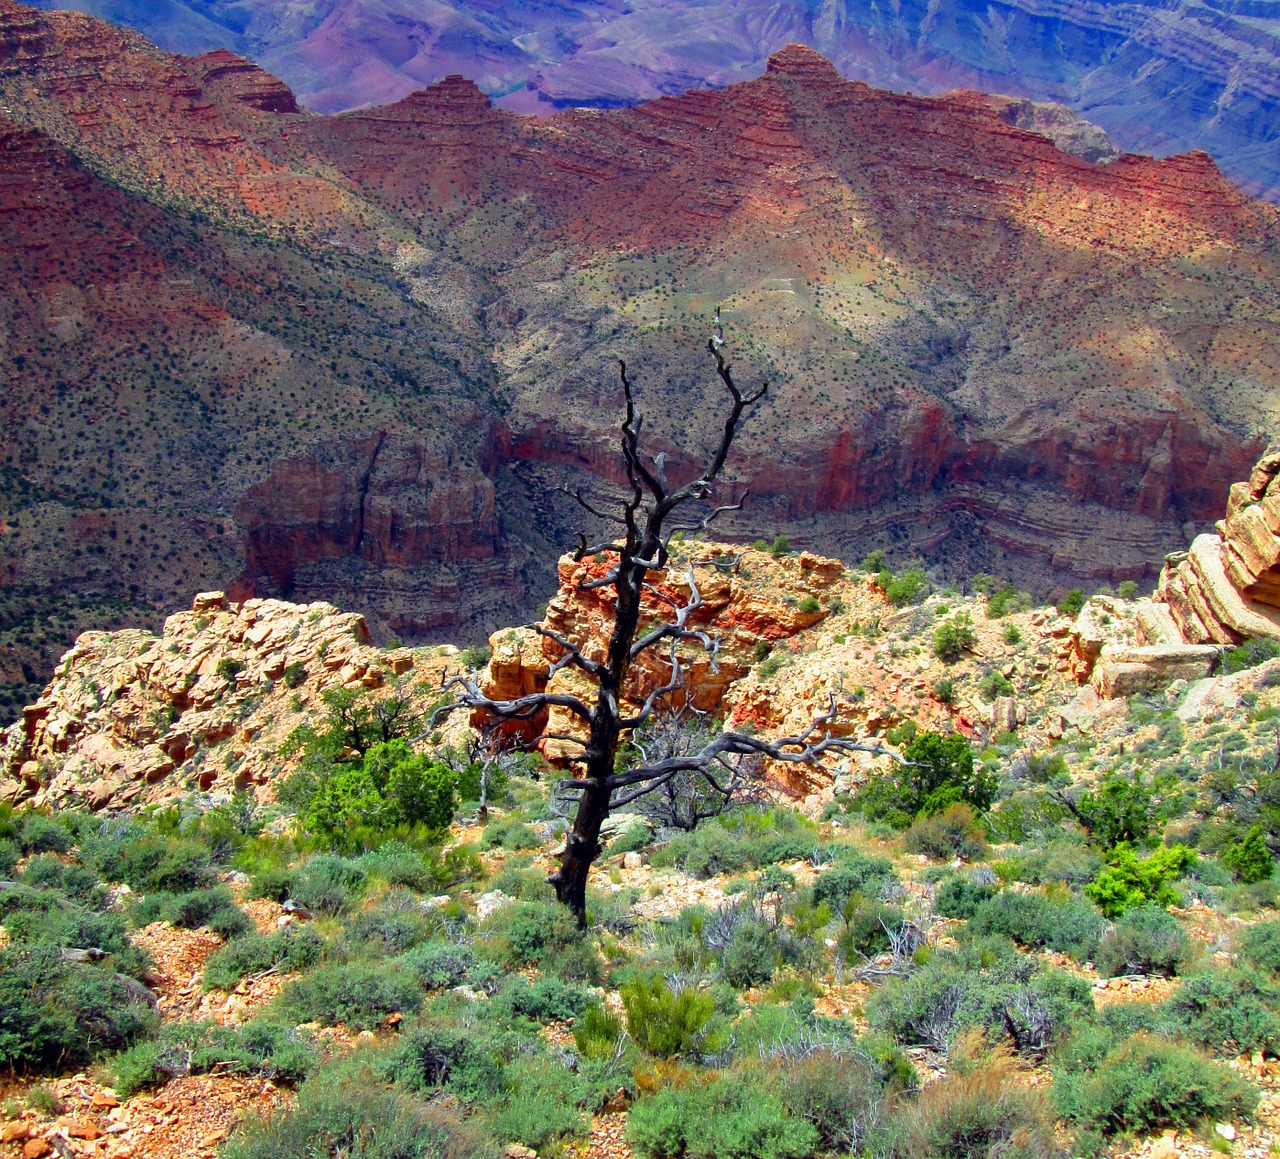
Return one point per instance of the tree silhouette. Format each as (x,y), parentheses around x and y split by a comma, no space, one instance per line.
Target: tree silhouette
(646,516)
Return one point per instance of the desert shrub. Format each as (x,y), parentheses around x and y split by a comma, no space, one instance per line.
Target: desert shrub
(1144,1084)
(329,884)
(532,932)
(48,919)
(1117,811)
(151,862)
(359,994)
(952,833)
(391,787)
(1071,926)
(941,772)
(867,926)
(735,1117)
(346,1112)
(667,1023)
(213,909)
(57,1014)
(1129,881)
(278,1053)
(1072,604)
(979,1111)
(285,950)
(751,956)
(467,1060)
(1146,940)
(273,881)
(395,925)
(993,684)
(1259,945)
(1061,860)
(993,989)
(841,1094)
(944,690)
(510,833)
(1005,601)
(908,588)
(1249,859)
(441,965)
(9,854)
(1249,655)
(541,1105)
(853,874)
(546,1000)
(597,1032)
(954,638)
(39,833)
(960,897)
(1011,635)
(1227,1011)
(295,675)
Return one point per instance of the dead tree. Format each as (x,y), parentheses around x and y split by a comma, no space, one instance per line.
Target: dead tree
(646,517)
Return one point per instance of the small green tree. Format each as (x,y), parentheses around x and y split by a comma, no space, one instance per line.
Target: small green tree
(952,639)
(1249,859)
(940,772)
(1130,881)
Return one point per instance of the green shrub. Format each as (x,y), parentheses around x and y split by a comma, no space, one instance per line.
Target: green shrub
(1063,860)
(213,909)
(442,965)
(940,773)
(959,897)
(867,926)
(944,690)
(510,833)
(534,932)
(546,1000)
(228,668)
(993,684)
(1249,859)
(541,1104)
(1006,601)
(598,1032)
(1072,604)
(294,675)
(9,854)
(1127,589)
(1227,1011)
(751,956)
(908,588)
(1145,1084)
(151,862)
(55,1014)
(1130,881)
(853,874)
(1072,926)
(1118,811)
(346,1112)
(1259,945)
(329,884)
(273,882)
(952,833)
(954,638)
(808,606)
(359,995)
(395,925)
(391,787)
(1011,635)
(1146,940)
(278,1053)
(284,951)
(1249,655)
(979,1111)
(667,1023)
(992,988)
(38,833)
(729,1118)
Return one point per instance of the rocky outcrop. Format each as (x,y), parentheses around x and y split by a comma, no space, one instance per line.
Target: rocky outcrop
(1226,588)
(751,603)
(132,718)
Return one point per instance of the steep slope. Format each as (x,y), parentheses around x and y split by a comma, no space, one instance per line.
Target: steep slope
(351,357)
(1160,77)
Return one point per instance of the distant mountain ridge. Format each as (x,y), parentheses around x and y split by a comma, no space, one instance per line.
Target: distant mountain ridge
(1159,77)
(353,357)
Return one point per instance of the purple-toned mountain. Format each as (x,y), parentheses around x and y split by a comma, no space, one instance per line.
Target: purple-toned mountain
(1160,77)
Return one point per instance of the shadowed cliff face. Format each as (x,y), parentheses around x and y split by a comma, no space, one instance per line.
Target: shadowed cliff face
(1160,78)
(351,357)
